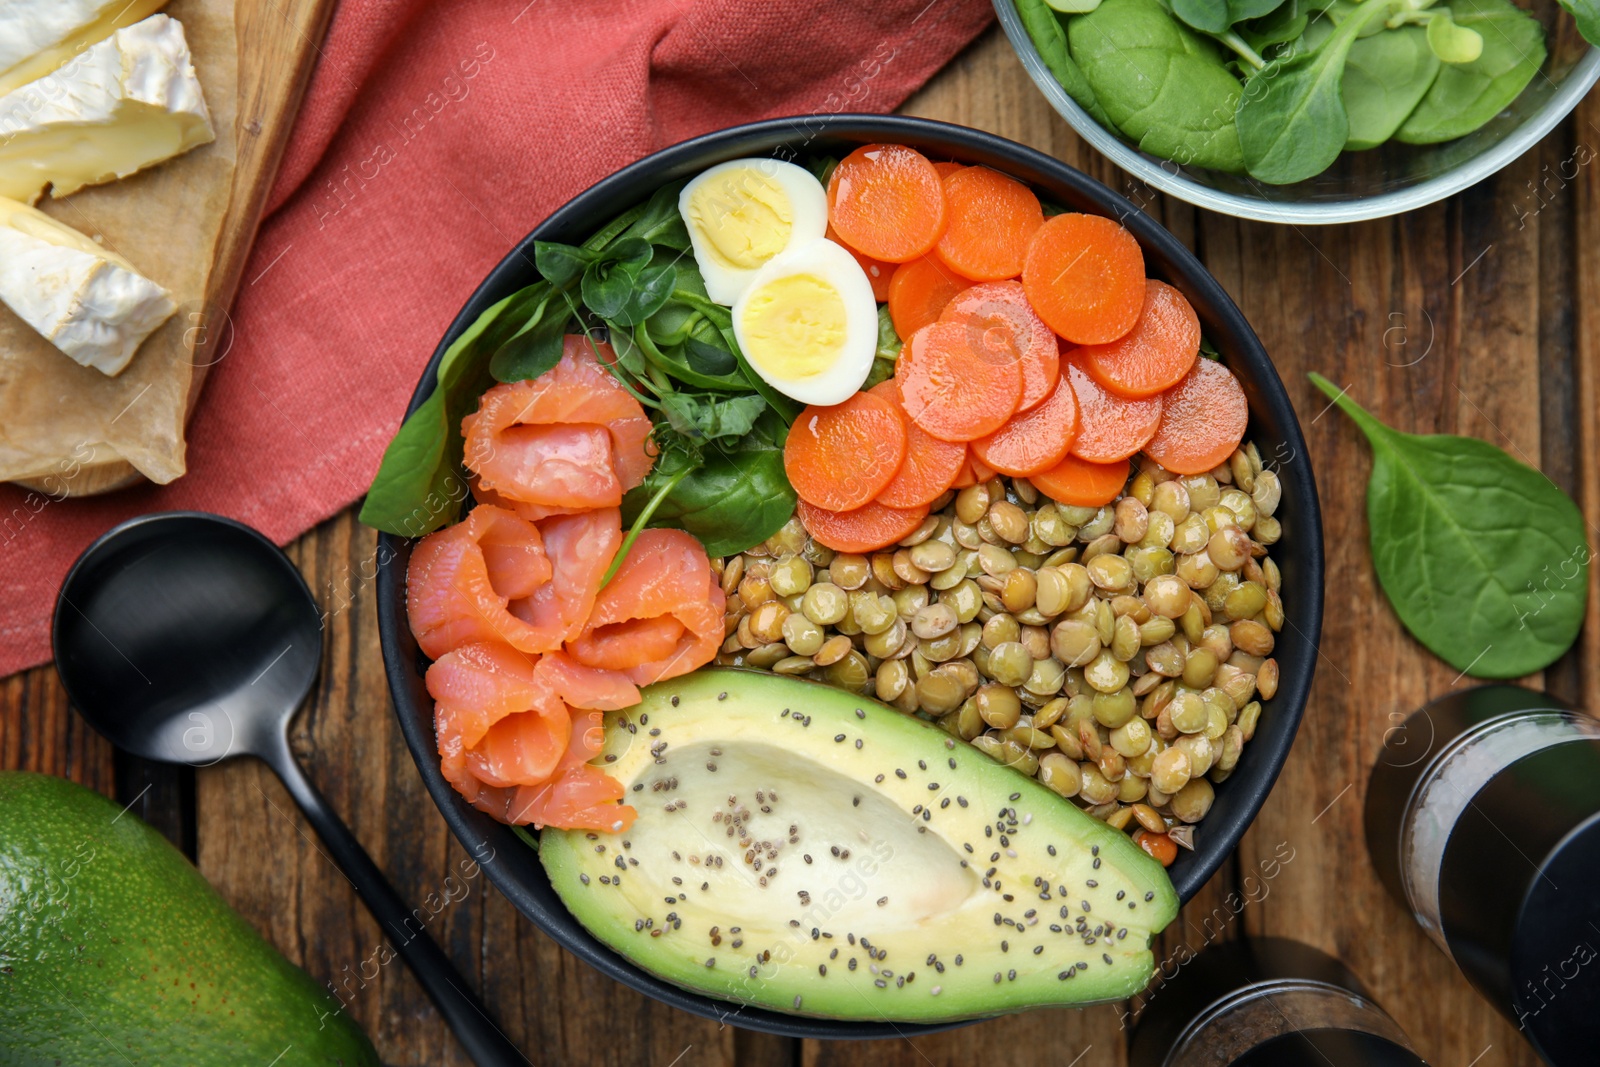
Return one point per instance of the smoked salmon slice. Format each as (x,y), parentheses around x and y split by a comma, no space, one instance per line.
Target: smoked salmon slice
(580,796)
(570,438)
(661,614)
(580,549)
(531,512)
(585,687)
(483,682)
(461,579)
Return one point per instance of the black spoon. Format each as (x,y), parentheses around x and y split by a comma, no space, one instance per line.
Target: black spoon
(187,638)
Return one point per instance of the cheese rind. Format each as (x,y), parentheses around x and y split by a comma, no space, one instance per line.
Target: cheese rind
(86,300)
(39,36)
(124,104)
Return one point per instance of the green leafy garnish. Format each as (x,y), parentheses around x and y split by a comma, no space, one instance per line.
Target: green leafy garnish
(718,428)
(1485,561)
(735,493)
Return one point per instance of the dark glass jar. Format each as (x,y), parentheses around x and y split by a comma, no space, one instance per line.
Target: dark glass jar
(1266,1002)
(1483,820)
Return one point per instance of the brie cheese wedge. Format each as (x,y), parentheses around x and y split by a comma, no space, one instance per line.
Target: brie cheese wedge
(39,36)
(120,106)
(86,300)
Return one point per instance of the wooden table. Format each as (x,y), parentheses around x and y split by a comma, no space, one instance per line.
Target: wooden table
(1472,316)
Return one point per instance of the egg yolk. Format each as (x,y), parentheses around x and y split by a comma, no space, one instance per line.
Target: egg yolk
(744,215)
(794,326)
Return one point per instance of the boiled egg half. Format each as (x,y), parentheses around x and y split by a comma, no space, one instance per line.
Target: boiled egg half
(808,324)
(742,213)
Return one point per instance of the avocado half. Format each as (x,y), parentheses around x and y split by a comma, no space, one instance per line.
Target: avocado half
(804,849)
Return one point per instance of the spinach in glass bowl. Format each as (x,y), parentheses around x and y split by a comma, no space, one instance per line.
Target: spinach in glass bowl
(1308,110)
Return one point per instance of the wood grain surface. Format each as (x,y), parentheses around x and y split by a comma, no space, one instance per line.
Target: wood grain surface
(1471,316)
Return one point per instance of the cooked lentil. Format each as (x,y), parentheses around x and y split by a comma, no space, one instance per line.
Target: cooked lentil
(1120,654)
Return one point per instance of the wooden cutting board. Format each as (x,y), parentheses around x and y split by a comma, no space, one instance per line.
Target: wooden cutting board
(279,42)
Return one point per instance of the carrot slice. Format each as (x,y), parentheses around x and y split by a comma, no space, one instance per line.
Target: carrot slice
(842,456)
(955,384)
(947,169)
(1202,421)
(1034,440)
(1081,483)
(1110,427)
(865,529)
(930,466)
(1156,353)
(887,202)
(1085,277)
(1004,306)
(877,271)
(972,472)
(919,292)
(991,219)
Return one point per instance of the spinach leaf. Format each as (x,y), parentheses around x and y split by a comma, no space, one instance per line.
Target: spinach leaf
(1466,95)
(609,282)
(660,223)
(1292,122)
(1048,36)
(737,497)
(418,488)
(1245,10)
(1483,558)
(561,264)
(704,418)
(531,352)
(1285,23)
(1208,16)
(1161,84)
(1384,78)
(651,290)
(1586,13)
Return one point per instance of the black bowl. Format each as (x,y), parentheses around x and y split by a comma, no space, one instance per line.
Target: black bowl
(515,868)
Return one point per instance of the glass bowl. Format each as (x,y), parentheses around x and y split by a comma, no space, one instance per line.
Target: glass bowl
(1387,180)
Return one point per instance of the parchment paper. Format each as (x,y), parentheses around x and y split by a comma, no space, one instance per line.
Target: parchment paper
(56,417)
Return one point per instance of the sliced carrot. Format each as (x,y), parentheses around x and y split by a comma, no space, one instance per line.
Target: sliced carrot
(1033,440)
(930,466)
(1156,353)
(1003,306)
(990,220)
(919,292)
(947,169)
(1110,427)
(1085,277)
(842,456)
(877,271)
(1158,847)
(954,384)
(1082,484)
(1202,421)
(887,202)
(865,529)
(981,471)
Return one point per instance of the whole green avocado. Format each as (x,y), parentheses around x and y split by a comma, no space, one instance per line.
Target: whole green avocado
(114,950)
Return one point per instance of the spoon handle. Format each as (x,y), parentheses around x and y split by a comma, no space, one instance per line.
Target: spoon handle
(443,983)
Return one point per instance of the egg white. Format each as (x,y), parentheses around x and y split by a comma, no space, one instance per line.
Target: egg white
(824,379)
(733,198)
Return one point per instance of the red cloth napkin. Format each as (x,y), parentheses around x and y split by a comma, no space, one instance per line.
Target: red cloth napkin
(433,137)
